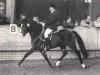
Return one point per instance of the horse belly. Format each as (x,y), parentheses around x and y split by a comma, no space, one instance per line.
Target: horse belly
(55,40)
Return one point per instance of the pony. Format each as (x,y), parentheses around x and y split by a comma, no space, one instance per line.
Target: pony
(61,39)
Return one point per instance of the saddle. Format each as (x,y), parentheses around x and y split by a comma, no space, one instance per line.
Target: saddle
(50,36)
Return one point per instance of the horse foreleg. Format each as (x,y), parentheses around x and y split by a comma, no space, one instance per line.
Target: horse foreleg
(46,58)
(63,55)
(26,55)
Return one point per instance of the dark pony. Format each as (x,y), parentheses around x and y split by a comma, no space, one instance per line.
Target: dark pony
(60,39)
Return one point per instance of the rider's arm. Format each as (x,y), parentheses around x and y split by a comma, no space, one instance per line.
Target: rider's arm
(52,20)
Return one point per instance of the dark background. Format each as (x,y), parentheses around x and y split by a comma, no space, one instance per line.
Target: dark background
(77,9)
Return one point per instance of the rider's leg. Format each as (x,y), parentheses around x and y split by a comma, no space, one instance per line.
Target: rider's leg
(42,35)
(46,35)
(47,32)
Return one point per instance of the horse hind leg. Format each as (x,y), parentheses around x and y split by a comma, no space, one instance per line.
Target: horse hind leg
(63,55)
(73,47)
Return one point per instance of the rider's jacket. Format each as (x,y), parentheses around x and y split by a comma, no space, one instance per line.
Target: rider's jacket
(52,20)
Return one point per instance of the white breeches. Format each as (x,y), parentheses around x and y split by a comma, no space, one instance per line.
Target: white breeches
(47,32)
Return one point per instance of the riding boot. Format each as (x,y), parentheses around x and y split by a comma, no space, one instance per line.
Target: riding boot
(42,36)
(48,44)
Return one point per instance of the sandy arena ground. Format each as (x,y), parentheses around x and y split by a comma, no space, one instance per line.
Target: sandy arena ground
(40,67)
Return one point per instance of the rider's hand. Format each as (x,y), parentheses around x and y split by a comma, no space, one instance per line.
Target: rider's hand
(42,23)
(28,25)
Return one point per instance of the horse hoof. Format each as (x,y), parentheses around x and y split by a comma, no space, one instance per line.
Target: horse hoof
(57,63)
(83,65)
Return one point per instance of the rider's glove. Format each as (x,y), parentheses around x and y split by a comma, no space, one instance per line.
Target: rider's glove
(28,25)
(42,23)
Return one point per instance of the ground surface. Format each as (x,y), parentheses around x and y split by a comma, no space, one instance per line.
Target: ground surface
(40,67)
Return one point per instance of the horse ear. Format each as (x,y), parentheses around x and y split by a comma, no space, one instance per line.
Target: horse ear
(28,25)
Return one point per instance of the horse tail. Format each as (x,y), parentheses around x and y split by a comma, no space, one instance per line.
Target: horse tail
(81,45)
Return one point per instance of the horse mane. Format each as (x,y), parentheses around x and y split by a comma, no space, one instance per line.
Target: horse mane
(35,27)
(34,30)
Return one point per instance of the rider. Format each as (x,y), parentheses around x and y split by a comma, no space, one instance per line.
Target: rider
(50,24)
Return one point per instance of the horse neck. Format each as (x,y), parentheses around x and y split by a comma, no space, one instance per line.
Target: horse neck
(35,30)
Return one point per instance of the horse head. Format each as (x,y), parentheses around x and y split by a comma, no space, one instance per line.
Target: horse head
(33,27)
(24,29)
